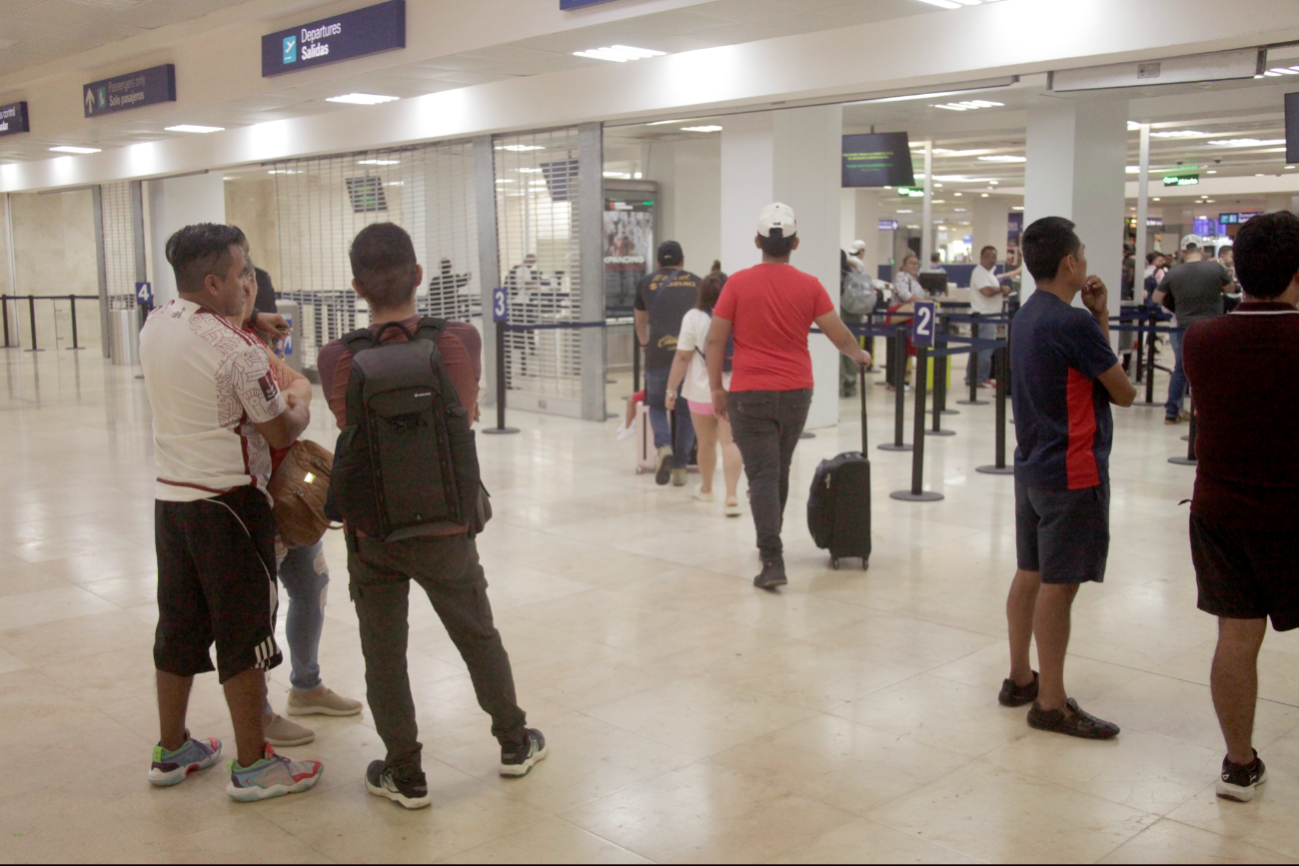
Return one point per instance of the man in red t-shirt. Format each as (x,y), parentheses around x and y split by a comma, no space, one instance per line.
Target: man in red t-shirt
(770,308)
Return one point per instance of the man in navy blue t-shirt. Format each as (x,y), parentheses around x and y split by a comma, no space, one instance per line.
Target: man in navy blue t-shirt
(1066,376)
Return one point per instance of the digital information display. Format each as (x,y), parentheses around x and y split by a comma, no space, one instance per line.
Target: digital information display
(877,159)
(13,118)
(132,90)
(329,40)
(1292,128)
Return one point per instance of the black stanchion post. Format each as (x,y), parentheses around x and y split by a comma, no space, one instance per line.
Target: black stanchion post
(940,391)
(500,384)
(31,317)
(940,378)
(1140,354)
(917,493)
(1150,360)
(1189,459)
(4,305)
(635,362)
(897,371)
(72,299)
(1001,365)
(972,368)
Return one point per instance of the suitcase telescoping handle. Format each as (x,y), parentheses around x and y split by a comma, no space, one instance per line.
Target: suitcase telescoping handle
(861,388)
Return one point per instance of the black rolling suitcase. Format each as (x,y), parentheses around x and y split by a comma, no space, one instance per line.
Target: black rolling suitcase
(839,507)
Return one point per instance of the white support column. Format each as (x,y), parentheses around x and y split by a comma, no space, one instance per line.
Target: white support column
(868,228)
(1143,201)
(173,204)
(990,223)
(847,217)
(927,222)
(793,156)
(1076,156)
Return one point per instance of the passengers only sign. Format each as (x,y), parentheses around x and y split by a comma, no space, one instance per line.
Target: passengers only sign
(352,34)
(133,90)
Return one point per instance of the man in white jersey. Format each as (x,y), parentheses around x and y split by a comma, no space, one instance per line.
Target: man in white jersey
(217,411)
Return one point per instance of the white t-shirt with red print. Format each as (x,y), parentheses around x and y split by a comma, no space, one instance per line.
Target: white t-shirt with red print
(209,384)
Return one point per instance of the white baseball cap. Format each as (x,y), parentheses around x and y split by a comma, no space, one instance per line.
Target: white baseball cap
(777,216)
(857,246)
(1192,239)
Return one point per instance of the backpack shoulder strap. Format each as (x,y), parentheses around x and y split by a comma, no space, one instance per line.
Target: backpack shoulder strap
(430,328)
(358,340)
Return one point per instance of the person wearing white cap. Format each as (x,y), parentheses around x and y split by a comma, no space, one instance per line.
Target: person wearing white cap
(770,308)
(1193,291)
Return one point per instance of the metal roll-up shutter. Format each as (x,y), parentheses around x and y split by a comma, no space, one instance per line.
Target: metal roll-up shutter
(537,193)
(119,245)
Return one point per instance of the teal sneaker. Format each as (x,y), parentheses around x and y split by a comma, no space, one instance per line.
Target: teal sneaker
(171,768)
(272,776)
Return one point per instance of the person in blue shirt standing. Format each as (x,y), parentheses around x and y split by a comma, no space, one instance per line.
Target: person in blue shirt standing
(1069,375)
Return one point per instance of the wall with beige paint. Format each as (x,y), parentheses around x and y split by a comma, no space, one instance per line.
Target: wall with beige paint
(54,249)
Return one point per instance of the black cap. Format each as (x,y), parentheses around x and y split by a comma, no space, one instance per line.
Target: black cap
(670,253)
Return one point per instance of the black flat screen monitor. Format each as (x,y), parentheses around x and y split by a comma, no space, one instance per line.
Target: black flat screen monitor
(933,283)
(877,159)
(1292,128)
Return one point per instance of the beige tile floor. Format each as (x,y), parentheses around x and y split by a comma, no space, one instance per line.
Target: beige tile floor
(851,718)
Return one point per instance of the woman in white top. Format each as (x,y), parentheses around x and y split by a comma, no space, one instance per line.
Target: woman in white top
(906,291)
(689,366)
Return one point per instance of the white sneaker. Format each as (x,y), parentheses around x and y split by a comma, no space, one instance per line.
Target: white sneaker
(320,702)
(702,496)
(282,732)
(624,432)
(732,509)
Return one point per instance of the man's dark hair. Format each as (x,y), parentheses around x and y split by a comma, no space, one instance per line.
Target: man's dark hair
(985,249)
(670,254)
(1151,256)
(201,249)
(1191,247)
(1225,248)
(935,257)
(1046,242)
(776,244)
(1267,254)
(383,265)
(710,289)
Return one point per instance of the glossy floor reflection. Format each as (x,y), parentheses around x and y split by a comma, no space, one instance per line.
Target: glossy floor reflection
(851,718)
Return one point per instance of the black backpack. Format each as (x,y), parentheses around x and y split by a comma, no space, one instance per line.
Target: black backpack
(405,464)
(728,353)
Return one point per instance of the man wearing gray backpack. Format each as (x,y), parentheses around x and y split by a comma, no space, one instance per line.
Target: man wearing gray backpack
(404,392)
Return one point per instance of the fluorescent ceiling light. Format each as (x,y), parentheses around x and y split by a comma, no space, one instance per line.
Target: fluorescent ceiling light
(520,148)
(907,97)
(362,99)
(942,151)
(1177,133)
(1003,157)
(395,183)
(619,53)
(971,105)
(283,171)
(189,127)
(1133,126)
(905,211)
(1021,207)
(505,180)
(701,129)
(378,162)
(1246,142)
(68,148)
(1282,70)
(527,170)
(618,175)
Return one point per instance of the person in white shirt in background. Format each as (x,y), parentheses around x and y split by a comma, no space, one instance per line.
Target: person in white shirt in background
(689,366)
(906,291)
(986,295)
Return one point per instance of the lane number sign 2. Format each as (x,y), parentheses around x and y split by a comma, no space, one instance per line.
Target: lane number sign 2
(922,326)
(500,304)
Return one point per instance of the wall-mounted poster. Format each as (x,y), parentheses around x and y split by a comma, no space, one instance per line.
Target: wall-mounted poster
(628,251)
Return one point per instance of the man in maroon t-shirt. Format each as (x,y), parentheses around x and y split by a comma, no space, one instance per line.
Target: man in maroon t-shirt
(770,308)
(1245,514)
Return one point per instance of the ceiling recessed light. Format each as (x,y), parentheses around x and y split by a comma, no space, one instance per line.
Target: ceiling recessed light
(1213,171)
(619,53)
(958,194)
(983,195)
(1155,199)
(1246,142)
(1017,207)
(1003,157)
(970,105)
(1176,133)
(505,180)
(527,170)
(189,127)
(942,4)
(362,99)
(68,148)
(395,183)
(378,162)
(701,129)
(283,171)
(520,148)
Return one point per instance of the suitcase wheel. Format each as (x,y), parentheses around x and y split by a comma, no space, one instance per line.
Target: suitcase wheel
(834,563)
(865,563)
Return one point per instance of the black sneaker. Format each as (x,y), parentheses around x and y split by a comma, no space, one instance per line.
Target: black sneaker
(773,574)
(1075,723)
(1013,695)
(408,793)
(518,758)
(1239,782)
(664,472)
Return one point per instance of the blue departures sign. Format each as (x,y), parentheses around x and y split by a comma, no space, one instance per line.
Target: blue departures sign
(329,40)
(133,90)
(13,118)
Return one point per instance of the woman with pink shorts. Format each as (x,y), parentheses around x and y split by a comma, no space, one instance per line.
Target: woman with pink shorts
(688,367)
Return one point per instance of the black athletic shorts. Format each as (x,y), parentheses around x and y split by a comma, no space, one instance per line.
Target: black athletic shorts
(216,581)
(1064,534)
(1246,574)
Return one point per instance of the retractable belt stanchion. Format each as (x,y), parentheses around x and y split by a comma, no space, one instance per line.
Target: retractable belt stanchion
(1189,459)
(501,331)
(635,362)
(1139,355)
(31,317)
(1001,364)
(897,370)
(1150,361)
(72,299)
(917,493)
(940,386)
(940,377)
(4,307)
(972,368)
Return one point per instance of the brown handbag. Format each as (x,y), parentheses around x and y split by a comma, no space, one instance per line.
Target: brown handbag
(299,488)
